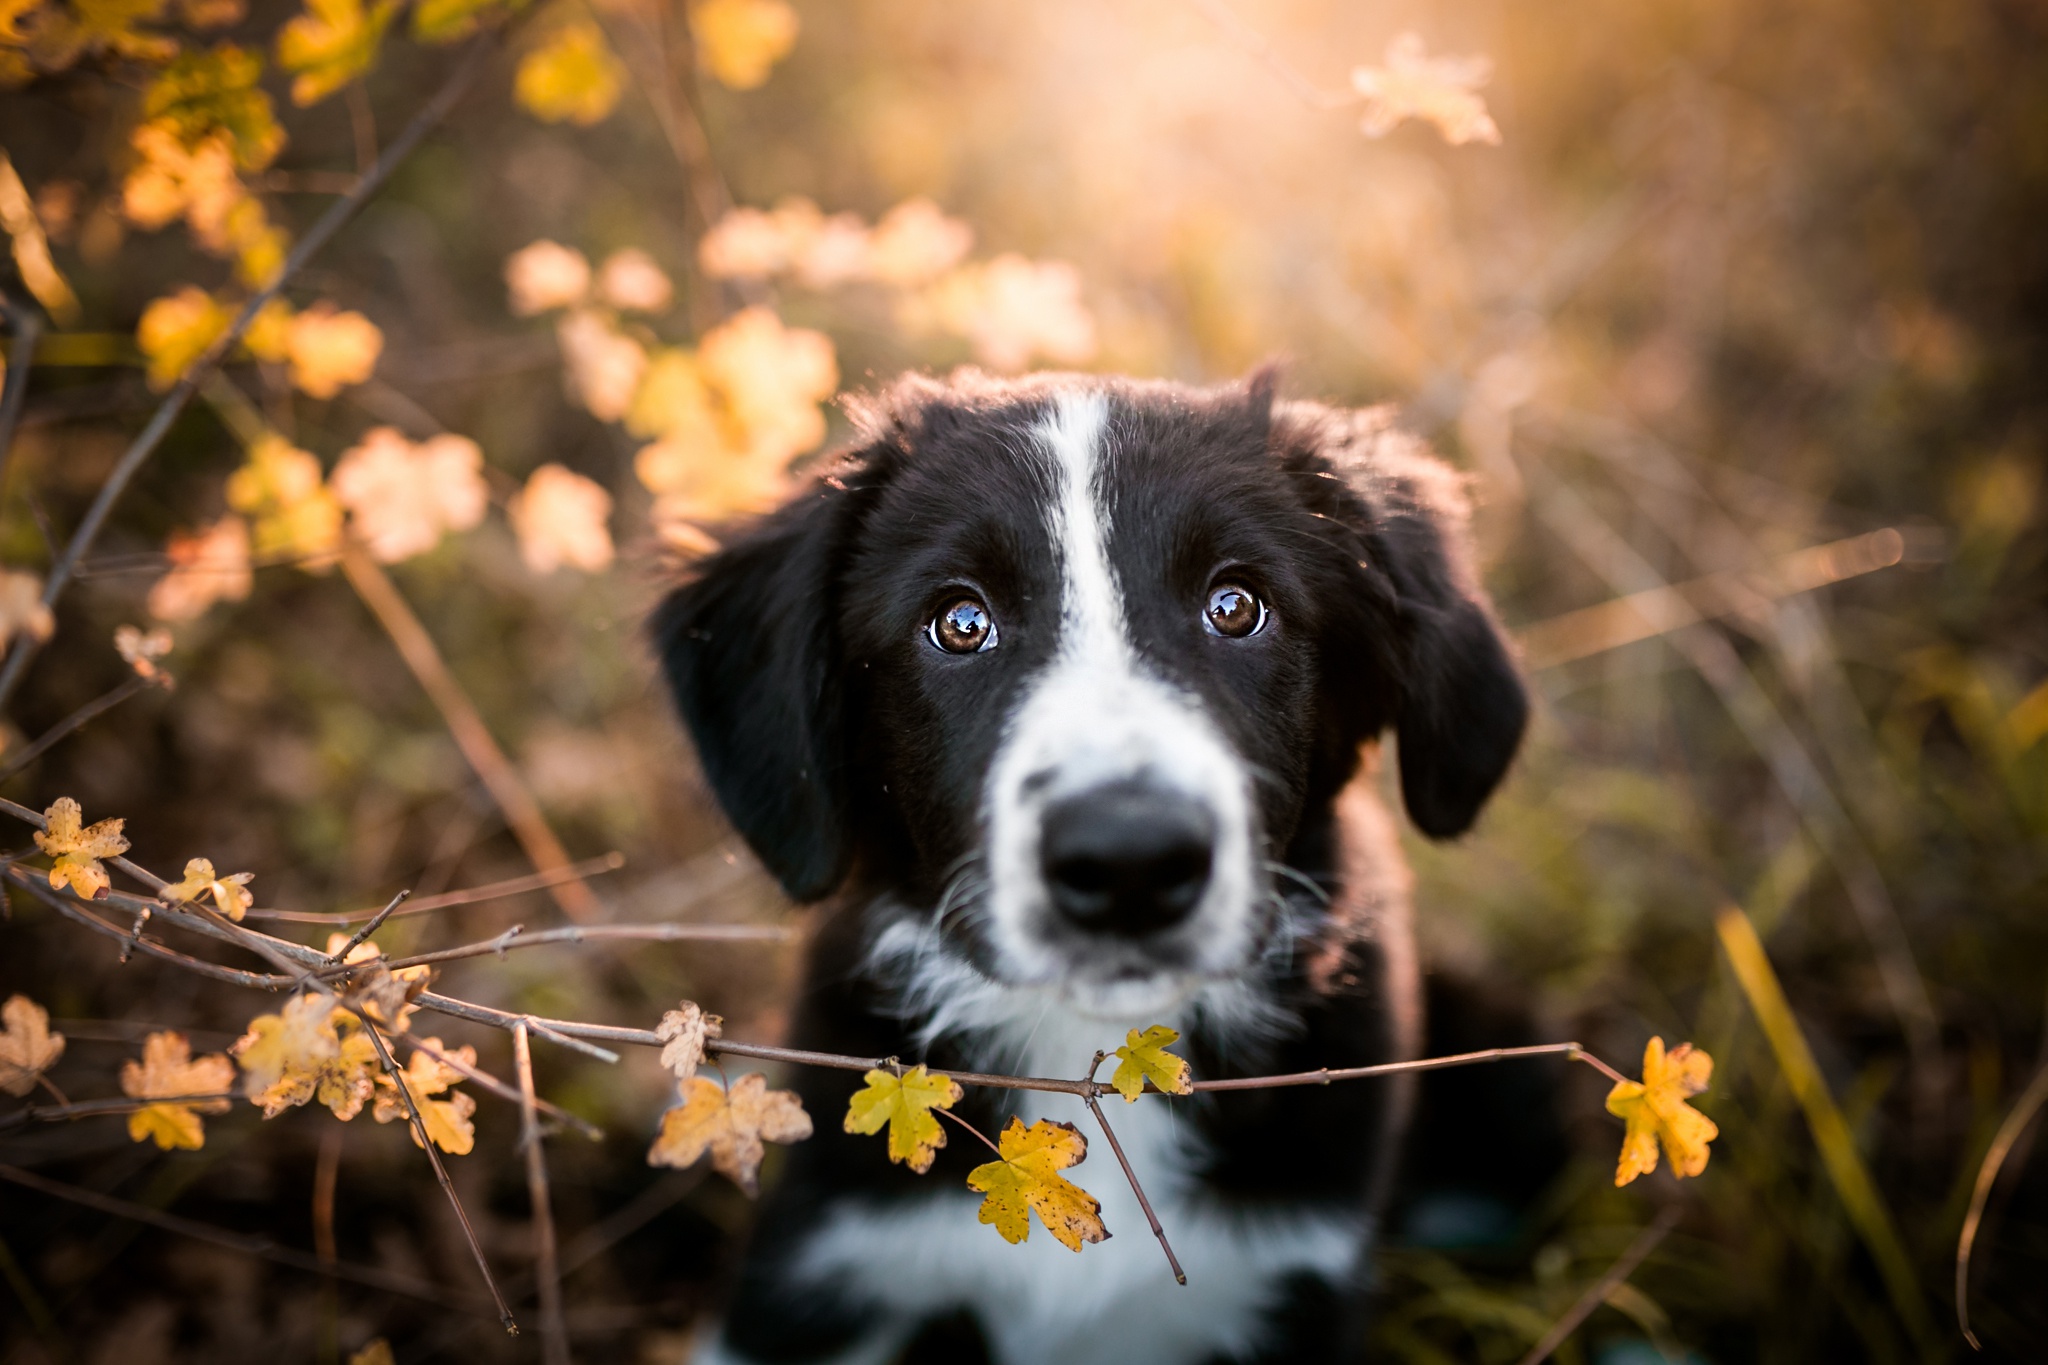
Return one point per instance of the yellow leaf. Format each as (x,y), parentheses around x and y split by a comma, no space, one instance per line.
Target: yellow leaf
(731,1125)
(447,1121)
(283,1055)
(207,566)
(671,397)
(684,1031)
(27,1047)
(377,1352)
(403,497)
(330,350)
(543,276)
(631,282)
(1027,1180)
(171,180)
(905,1103)
(602,365)
(295,516)
(772,378)
(1145,1058)
(176,330)
(168,1070)
(268,336)
(78,848)
(1437,90)
(90,26)
(212,13)
(258,245)
(740,41)
(1655,1111)
(331,44)
(560,519)
(571,76)
(1011,309)
(444,21)
(203,93)
(916,242)
(230,894)
(32,246)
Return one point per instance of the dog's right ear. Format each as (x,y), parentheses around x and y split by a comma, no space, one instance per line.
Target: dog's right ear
(750,645)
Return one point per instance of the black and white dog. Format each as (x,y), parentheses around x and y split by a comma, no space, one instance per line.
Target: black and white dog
(1066,692)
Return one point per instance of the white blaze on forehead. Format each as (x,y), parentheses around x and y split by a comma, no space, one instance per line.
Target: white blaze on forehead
(1097,715)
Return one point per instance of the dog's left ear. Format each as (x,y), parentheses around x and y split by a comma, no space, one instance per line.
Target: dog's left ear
(1420,619)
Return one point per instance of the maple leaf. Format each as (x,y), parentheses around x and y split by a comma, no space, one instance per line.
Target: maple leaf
(78,848)
(294,514)
(1145,1058)
(731,1125)
(684,1031)
(217,91)
(62,36)
(447,1121)
(572,76)
(331,44)
(905,1103)
(1011,309)
(176,330)
(1437,90)
(330,350)
(403,497)
(27,1047)
(207,566)
(772,378)
(140,649)
(631,282)
(544,275)
(740,41)
(22,610)
(916,242)
(283,1055)
(1655,1111)
(603,366)
(167,1070)
(560,519)
(1027,1179)
(230,893)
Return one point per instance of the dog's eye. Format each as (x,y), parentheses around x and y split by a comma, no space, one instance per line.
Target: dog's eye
(1234,611)
(963,626)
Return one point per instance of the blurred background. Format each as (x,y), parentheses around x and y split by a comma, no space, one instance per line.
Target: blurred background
(1750,299)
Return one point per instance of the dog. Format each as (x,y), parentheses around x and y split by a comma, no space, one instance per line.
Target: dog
(1066,693)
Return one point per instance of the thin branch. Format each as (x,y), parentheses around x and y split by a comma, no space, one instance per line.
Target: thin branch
(471,735)
(1570,1051)
(467,67)
(419,1129)
(262,1247)
(516,937)
(2023,1111)
(1180,1276)
(27,325)
(1596,1293)
(72,908)
(82,716)
(949,1114)
(554,1333)
(375,922)
(502,1090)
(88,1109)
(511,886)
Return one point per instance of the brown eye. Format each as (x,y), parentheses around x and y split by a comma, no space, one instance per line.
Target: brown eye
(963,626)
(1234,611)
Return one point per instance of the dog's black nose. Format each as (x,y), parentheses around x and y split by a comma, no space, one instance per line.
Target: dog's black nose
(1127,858)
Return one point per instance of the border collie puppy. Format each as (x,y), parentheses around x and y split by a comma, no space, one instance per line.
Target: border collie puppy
(1065,693)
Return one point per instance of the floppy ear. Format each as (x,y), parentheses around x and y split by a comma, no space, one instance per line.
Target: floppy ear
(1456,701)
(749,646)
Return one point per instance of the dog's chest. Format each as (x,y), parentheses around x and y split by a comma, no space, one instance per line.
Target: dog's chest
(1114,1301)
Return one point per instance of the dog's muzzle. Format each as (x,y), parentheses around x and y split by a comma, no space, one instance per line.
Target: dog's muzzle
(1126,858)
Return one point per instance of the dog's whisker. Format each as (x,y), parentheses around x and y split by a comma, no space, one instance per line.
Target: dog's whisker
(1300,878)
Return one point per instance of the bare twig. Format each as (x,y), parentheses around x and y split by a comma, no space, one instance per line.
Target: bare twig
(511,886)
(467,67)
(84,714)
(471,735)
(1569,1051)
(1596,1293)
(501,1089)
(554,1333)
(1095,1107)
(419,1129)
(262,1247)
(27,326)
(88,1109)
(516,937)
(2023,1111)
(375,922)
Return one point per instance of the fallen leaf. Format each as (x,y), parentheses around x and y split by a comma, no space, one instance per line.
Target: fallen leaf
(1145,1058)
(78,848)
(207,566)
(740,41)
(560,519)
(1027,1180)
(22,610)
(1437,90)
(684,1032)
(905,1103)
(331,44)
(544,275)
(230,894)
(168,1070)
(631,282)
(403,497)
(447,1121)
(731,1125)
(571,77)
(330,350)
(1655,1111)
(27,1047)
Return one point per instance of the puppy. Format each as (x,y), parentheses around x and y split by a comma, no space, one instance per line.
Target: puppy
(1065,693)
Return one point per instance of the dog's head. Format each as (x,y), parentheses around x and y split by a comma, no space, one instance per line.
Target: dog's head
(1072,664)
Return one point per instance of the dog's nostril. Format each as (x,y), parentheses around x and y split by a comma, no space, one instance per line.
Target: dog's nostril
(1128,858)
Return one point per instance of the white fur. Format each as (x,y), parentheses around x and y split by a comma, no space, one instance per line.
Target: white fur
(1097,716)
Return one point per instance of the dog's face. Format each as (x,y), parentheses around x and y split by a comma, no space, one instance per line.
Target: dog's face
(1074,666)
